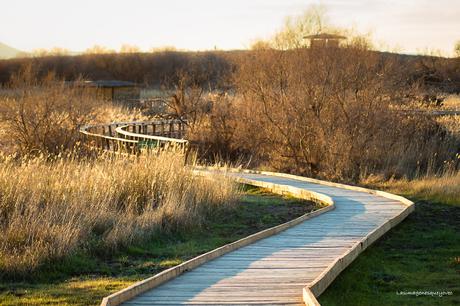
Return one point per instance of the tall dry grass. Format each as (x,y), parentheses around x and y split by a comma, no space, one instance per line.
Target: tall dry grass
(451,123)
(444,187)
(452,102)
(50,209)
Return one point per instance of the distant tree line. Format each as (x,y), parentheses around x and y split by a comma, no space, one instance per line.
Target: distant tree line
(151,69)
(212,68)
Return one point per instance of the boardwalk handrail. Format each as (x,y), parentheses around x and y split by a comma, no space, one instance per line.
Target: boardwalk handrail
(121,130)
(84,131)
(120,138)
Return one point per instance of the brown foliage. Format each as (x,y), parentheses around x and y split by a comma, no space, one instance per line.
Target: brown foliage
(326,112)
(43,115)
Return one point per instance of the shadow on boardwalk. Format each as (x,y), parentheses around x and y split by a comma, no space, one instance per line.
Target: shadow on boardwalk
(274,270)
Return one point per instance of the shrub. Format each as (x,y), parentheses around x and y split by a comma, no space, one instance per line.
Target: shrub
(43,115)
(324,112)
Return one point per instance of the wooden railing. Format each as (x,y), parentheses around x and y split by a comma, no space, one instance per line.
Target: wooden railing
(137,137)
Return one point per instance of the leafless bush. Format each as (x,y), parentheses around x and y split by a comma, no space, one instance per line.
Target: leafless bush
(43,115)
(325,112)
(188,99)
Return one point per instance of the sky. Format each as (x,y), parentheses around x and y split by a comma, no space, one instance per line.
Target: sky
(409,26)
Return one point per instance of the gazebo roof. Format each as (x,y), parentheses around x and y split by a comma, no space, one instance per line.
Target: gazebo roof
(325,36)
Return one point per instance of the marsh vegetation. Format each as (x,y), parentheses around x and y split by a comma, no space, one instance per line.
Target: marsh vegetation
(103,221)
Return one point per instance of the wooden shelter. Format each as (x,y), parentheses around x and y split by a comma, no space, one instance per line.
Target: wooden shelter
(324,40)
(114,90)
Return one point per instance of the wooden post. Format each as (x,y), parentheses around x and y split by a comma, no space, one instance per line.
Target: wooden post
(116,126)
(110,130)
(183,130)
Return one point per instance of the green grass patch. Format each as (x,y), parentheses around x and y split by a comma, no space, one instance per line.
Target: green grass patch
(421,254)
(84,279)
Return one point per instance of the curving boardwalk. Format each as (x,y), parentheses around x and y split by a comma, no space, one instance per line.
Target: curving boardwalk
(276,270)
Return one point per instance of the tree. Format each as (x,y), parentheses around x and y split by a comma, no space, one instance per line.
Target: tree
(457,49)
(291,35)
(312,21)
(329,112)
(55,51)
(97,49)
(163,49)
(126,48)
(260,44)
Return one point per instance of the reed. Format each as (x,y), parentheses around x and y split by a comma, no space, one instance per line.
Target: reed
(55,206)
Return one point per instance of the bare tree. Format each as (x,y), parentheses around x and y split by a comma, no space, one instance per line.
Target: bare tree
(291,35)
(43,114)
(329,112)
(187,99)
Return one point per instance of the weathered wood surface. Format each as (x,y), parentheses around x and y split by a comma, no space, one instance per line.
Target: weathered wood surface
(275,270)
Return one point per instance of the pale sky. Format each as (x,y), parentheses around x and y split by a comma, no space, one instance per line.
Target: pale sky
(408,25)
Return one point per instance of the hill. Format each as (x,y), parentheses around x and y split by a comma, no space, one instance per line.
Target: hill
(8,52)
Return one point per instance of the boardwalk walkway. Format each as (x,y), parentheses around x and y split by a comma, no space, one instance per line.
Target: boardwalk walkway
(274,270)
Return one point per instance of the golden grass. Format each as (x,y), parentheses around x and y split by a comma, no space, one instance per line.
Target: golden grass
(451,122)
(50,209)
(109,112)
(452,102)
(445,188)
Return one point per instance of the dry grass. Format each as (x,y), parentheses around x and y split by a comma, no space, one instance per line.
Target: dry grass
(445,188)
(452,102)
(50,209)
(451,123)
(109,112)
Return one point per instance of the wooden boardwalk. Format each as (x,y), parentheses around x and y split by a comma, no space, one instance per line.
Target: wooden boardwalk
(274,270)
